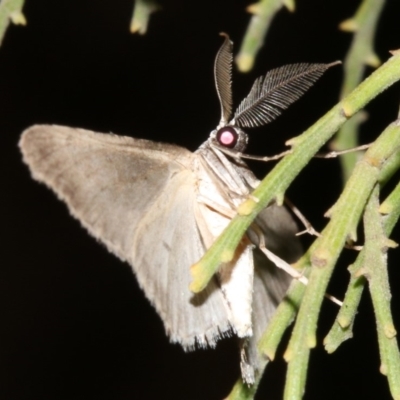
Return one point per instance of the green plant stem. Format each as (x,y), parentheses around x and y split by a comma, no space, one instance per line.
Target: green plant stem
(275,184)
(141,15)
(324,252)
(375,270)
(360,54)
(342,327)
(263,13)
(10,11)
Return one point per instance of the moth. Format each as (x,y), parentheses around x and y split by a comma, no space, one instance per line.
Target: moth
(159,207)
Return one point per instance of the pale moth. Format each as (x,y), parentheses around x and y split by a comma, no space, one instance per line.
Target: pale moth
(159,207)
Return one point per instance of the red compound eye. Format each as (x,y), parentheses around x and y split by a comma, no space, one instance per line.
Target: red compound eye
(227,137)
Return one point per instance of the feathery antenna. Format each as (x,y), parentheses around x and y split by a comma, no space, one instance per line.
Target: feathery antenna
(272,94)
(223,79)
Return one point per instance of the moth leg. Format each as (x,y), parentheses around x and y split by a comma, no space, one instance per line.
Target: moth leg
(282,264)
(219,208)
(334,154)
(309,228)
(294,273)
(246,368)
(307,225)
(239,155)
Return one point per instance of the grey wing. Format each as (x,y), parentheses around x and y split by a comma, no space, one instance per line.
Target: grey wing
(137,197)
(279,229)
(270,282)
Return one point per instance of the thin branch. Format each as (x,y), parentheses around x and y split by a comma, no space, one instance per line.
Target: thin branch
(342,328)
(325,251)
(343,325)
(360,54)
(375,271)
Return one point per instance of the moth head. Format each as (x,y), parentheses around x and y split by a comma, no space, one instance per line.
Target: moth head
(227,134)
(230,137)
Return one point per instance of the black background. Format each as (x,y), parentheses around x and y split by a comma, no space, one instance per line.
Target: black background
(73,322)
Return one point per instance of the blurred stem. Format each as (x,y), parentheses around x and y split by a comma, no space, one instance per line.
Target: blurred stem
(262,14)
(141,15)
(10,10)
(361,53)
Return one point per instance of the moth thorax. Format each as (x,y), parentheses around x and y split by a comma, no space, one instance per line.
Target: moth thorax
(230,137)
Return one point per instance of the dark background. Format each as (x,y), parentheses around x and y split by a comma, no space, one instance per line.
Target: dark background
(73,322)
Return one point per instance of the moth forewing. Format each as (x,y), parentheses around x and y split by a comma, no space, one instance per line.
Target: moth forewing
(137,197)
